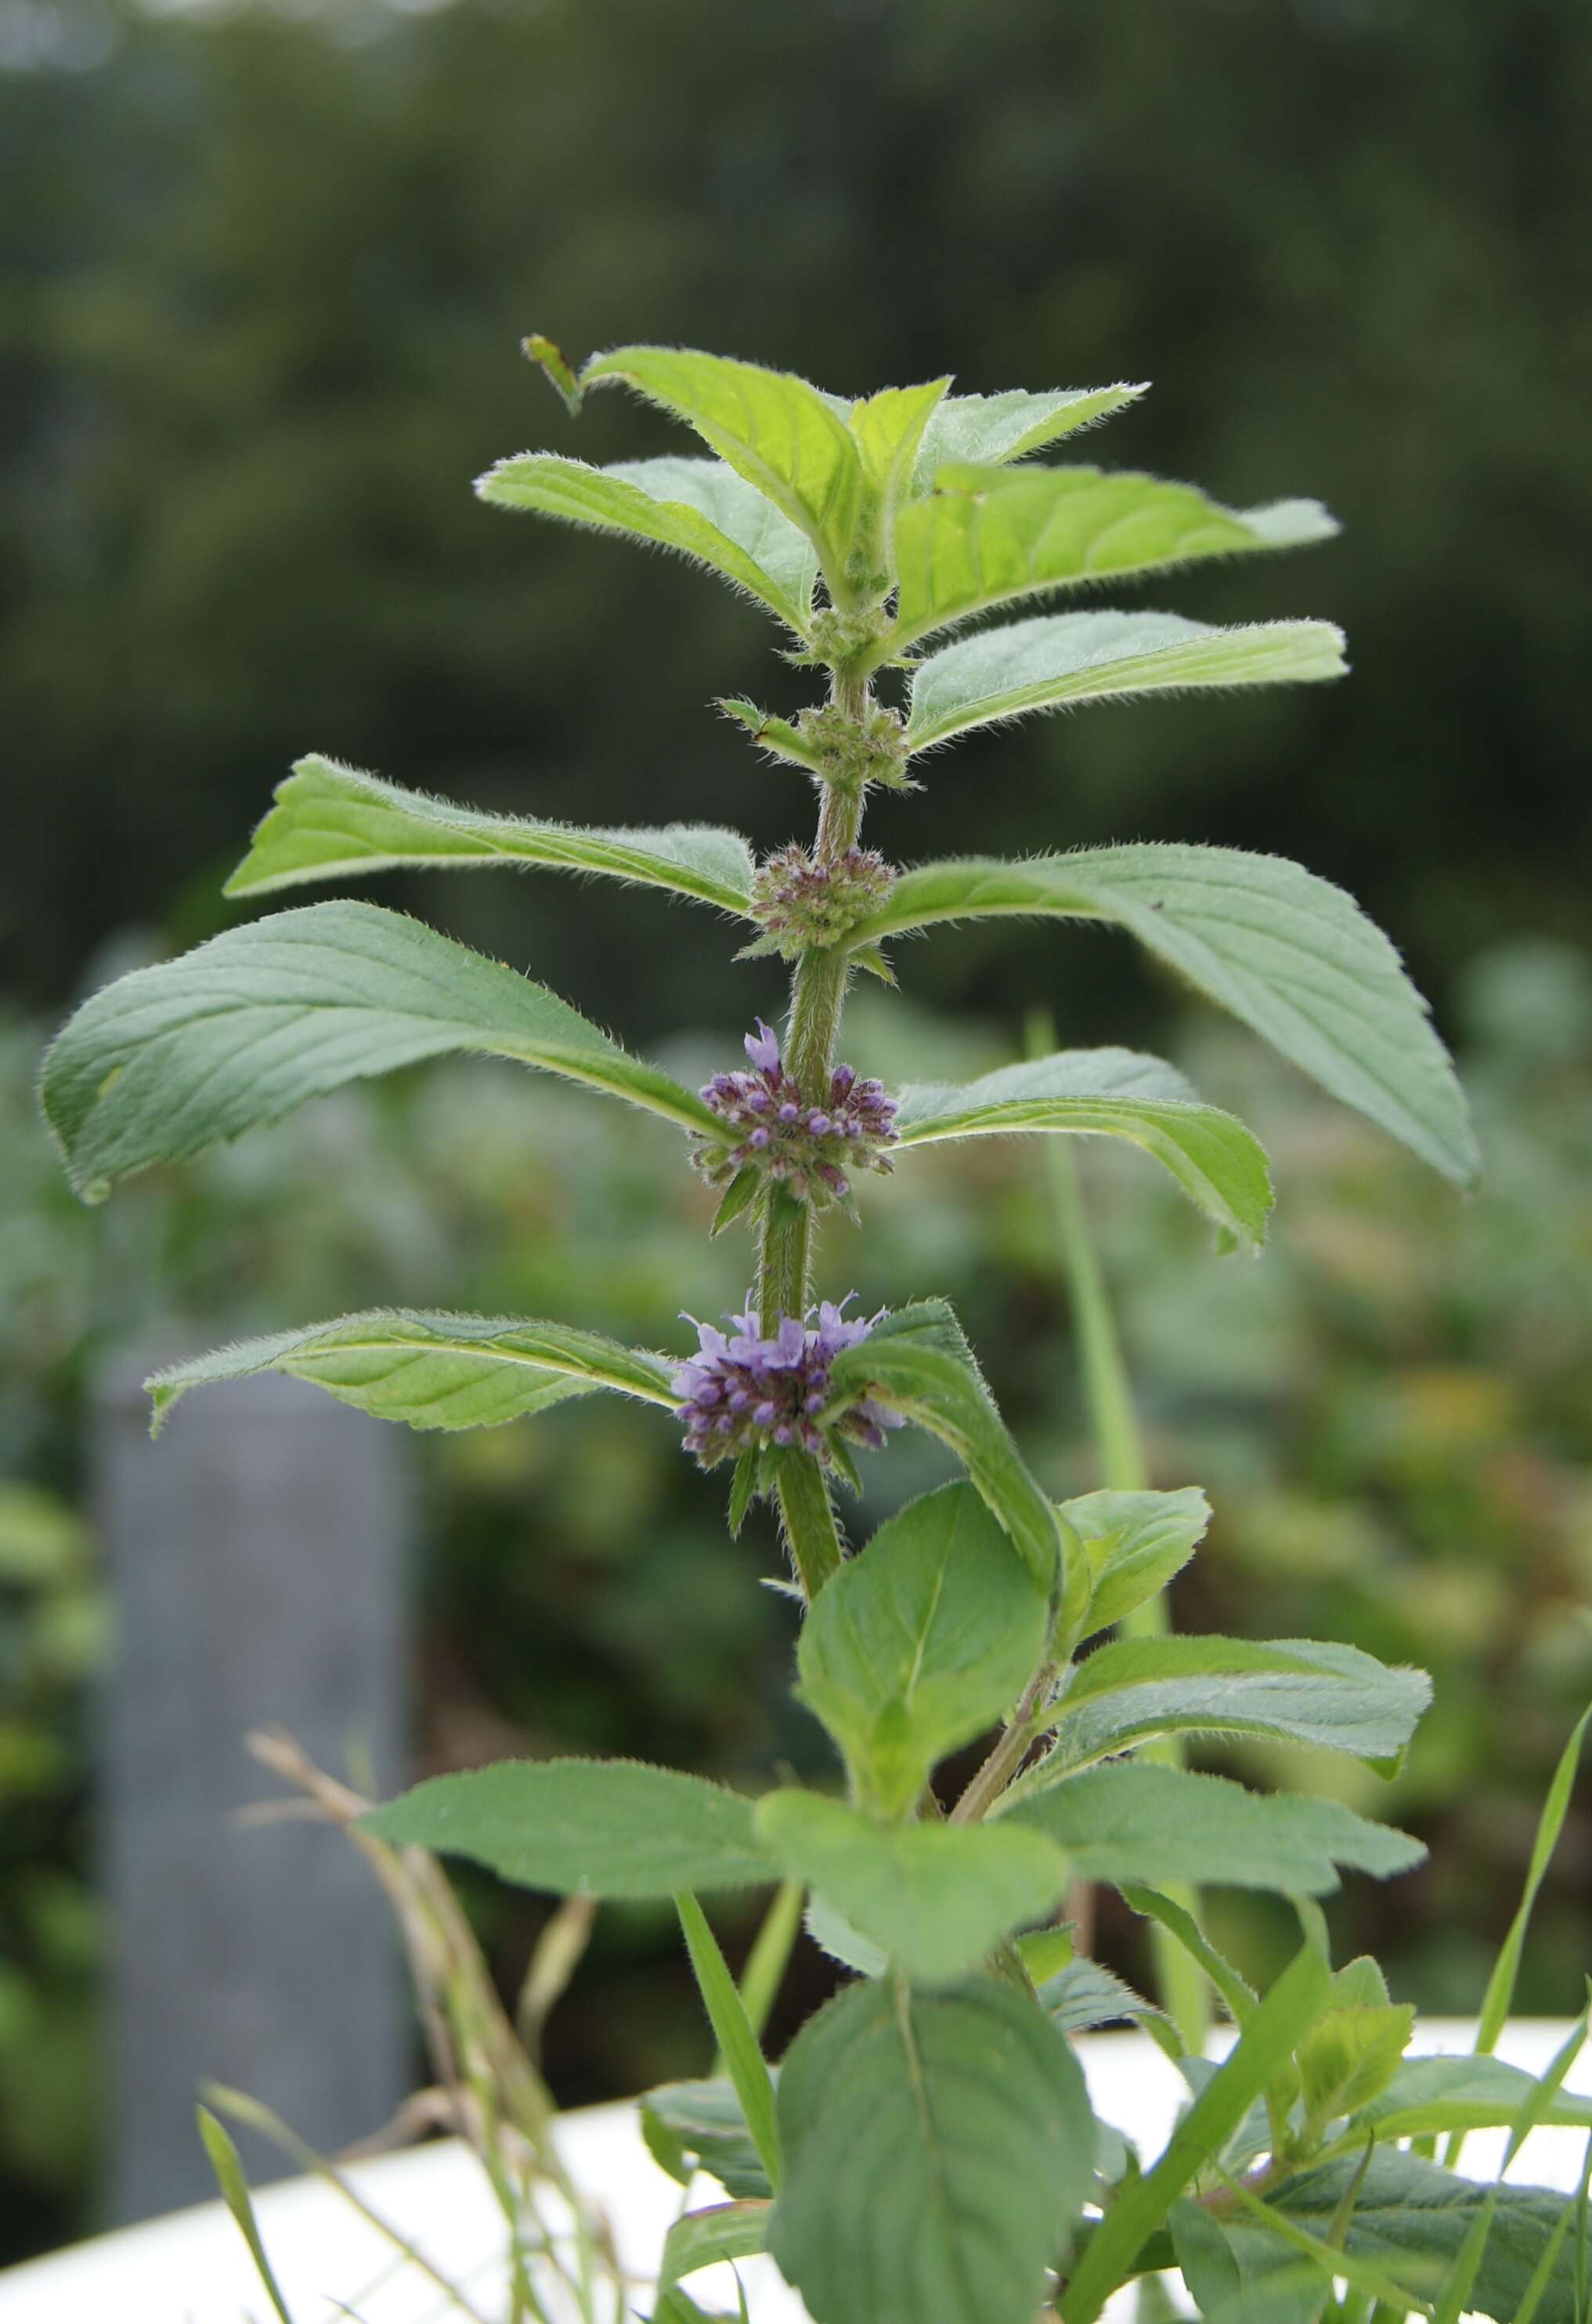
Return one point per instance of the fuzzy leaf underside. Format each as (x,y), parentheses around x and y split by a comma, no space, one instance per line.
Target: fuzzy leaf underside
(1295,1690)
(333,822)
(1135,1544)
(1217,1162)
(609,1827)
(988,536)
(432,1370)
(939,2147)
(175,1058)
(1291,955)
(921,1642)
(935,1897)
(992,429)
(918,1362)
(701,508)
(1140,1825)
(1058,658)
(774,431)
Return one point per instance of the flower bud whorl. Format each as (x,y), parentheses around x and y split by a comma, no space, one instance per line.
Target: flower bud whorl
(747,1393)
(803,906)
(809,1148)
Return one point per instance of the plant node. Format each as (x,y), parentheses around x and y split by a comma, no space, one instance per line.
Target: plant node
(803,906)
(749,1393)
(851,753)
(803,1143)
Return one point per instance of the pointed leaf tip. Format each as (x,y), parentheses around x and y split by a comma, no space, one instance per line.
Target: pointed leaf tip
(545,351)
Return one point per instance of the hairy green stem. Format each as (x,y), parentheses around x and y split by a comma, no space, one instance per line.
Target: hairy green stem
(785,1267)
(1124,1469)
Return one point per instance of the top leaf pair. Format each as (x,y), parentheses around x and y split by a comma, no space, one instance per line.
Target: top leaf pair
(911,505)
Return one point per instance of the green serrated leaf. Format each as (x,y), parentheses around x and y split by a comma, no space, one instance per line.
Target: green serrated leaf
(921,1642)
(996,429)
(989,535)
(1427,2095)
(889,432)
(1413,2218)
(332,822)
(917,1362)
(702,2238)
(702,2124)
(1060,659)
(701,508)
(1082,1995)
(1347,2057)
(936,1896)
(1142,2205)
(1291,956)
(1218,1163)
(612,1828)
(1149,1826)
(1134,1544)
(785,438)
(431,1371)
(1297,1689)
(834,1934)
(939,2149)
(171,1059)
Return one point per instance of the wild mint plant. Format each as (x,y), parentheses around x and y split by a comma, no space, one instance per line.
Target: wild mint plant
(927,2152)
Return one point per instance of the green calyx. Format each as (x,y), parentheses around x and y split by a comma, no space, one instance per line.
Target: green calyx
(801,905)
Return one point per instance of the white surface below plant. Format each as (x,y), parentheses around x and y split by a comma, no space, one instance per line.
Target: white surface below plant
(192,2267)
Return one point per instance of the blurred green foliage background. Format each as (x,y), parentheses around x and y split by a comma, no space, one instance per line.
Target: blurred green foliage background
(263,274)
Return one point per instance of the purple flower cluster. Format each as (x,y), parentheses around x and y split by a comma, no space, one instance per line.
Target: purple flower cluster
(745,1392)
(799,903)
(809,1148)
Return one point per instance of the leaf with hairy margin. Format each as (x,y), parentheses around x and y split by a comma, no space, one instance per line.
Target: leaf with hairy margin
(431,1370)
(939,2149)
(1135,1543)
(920,1642)
(917,1362)
(174,1059)
(1428,2096)
(1144,1825)
(1058,658)
(331,822)
(774,430)
(1291,955)
(989,535)
(888,429)
(937,1897)
(609,1827)
(1218,1163)
(701,508)
(1412,2218)
(689,2125)
(1298,1690)
(992,429)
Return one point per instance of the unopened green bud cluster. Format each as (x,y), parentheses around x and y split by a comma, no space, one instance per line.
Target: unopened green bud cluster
(804,906)
(852,753)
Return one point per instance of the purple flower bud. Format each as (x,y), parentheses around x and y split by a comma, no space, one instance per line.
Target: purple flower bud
(819,1124)
(758,1139)
(788,1112)
(764,1049)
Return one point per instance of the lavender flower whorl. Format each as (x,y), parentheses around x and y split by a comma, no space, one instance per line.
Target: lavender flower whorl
(806,1145)
(747,1393)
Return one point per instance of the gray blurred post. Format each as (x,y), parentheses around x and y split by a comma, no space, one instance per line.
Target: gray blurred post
(257,1556)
